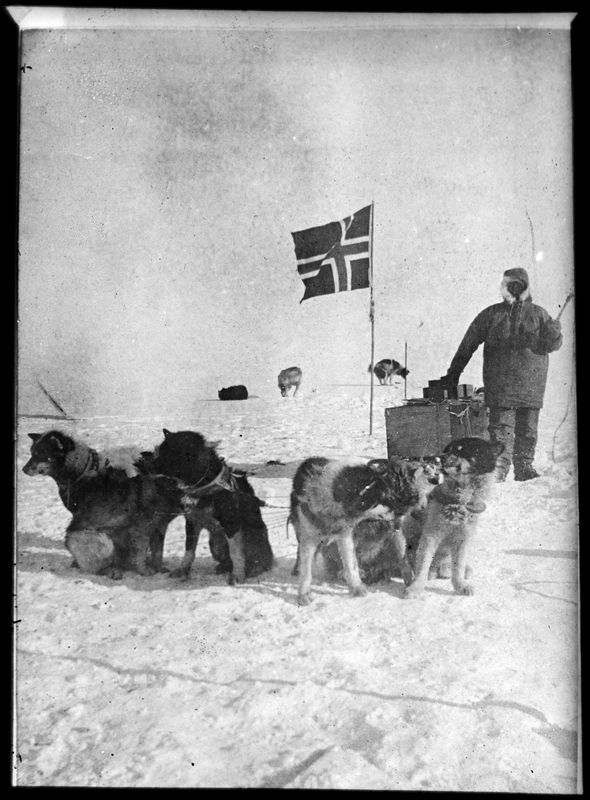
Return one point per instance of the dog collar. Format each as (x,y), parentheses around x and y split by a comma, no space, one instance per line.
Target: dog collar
(225,480)
(445,497)
(92,465)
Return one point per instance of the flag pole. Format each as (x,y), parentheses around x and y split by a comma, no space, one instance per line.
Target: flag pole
(406,367)
(372,318)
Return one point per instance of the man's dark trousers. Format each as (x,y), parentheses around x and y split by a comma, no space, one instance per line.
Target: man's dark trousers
(516,429)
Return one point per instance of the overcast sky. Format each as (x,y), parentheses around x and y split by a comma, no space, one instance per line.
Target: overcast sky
(163,170)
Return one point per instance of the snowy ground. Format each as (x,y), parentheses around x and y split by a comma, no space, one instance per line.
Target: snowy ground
(151,682)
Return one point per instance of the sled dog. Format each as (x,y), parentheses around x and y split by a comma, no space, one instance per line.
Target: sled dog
(448,524)
(329,498)
(216,497)
(119,516)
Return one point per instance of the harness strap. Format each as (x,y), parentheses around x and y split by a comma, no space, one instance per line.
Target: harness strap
(474,505)
(226,480)
(92,465)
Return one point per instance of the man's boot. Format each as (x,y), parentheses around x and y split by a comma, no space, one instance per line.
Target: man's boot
(525,472)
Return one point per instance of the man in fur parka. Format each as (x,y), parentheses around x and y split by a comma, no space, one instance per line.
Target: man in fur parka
(517,336)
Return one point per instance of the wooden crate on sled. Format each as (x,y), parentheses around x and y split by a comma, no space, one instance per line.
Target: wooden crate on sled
(423,429)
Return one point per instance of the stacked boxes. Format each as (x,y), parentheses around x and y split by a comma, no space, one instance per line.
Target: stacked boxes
(423,429)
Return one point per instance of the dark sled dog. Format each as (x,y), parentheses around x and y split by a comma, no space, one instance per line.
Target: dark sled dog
(330,498)
(218,498)
(381,550)
(447,526)
(119,516)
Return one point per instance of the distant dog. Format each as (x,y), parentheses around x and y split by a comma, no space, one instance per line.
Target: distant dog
(329,499)
(450,519)
(385,369)
(239,392)
(119,517)
(288,378)
(212,494)
(381,548)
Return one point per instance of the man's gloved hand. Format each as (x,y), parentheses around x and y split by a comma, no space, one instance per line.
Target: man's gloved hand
(449,381)
(553,328)
(549,339)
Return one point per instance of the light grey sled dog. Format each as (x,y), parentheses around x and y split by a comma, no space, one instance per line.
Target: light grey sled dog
(446,528)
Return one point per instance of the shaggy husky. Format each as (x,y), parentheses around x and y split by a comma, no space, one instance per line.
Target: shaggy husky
(119,515)
(448,524)
(330,498)
(381,549)
(215,497)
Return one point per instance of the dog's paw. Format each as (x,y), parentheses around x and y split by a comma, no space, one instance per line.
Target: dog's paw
(181,573)
(467,589)
(255,570)
(114,573)
(358,591)
(236,578)
(157,565)
(146,571)
(412,591)
(304,599)
(407,575)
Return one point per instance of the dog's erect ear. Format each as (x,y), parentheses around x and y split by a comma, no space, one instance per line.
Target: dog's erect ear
(35,436)
(62,442)
(166,433)
(58,442)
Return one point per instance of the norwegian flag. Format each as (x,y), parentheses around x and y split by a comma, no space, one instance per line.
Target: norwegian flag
(335,257)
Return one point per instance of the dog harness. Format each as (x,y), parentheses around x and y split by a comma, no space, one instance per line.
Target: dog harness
(446,497)
(92,466)
(226,480)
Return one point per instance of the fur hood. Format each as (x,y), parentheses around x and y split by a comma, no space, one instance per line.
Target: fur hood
(509,298)
(516,275)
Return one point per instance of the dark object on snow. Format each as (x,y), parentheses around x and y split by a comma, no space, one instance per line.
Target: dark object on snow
(238,392)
